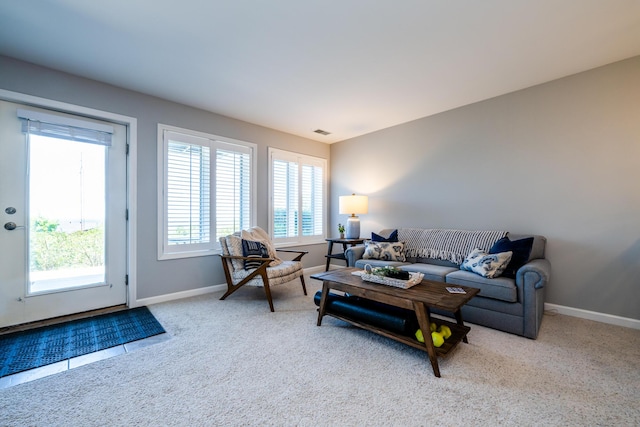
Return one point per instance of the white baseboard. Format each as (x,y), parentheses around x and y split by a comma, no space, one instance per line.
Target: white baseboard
(593,315)
(200,291)
(179,295)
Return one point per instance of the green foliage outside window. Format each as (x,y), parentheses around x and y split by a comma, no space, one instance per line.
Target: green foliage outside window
(53,249)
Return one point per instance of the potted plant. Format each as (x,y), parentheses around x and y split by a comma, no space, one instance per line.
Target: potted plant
(341,230)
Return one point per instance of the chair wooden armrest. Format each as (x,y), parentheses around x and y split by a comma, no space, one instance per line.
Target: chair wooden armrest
(244,258)
(299,257)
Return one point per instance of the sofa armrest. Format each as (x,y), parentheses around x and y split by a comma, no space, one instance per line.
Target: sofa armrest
(535,273)
(352,254)
(531,279)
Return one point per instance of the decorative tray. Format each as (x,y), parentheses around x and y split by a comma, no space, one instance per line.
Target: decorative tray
(414,279)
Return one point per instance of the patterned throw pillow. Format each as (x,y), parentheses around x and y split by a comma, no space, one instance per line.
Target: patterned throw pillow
(253,249)
(486,265)
(387,251)
(257,234)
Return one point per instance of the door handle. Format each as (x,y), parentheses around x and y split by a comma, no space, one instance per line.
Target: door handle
(12,226)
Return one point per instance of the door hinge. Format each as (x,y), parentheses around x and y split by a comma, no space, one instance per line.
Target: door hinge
(126,214)
(126,280)
(127,152)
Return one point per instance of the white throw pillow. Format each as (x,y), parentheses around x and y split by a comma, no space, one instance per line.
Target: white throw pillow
(486,265)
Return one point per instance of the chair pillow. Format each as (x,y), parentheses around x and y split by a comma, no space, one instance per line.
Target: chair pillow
(393,237)
(253,249)
(387,251)
(521,250)
(259,235)
(486,265)
(234,244)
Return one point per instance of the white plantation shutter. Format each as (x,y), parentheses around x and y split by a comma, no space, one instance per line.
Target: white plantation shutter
(312,200)
(285,198)
(188,192)
(207,184)
(297,188)
(233,189)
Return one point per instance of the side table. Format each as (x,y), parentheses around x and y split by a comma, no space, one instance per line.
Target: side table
(330,255)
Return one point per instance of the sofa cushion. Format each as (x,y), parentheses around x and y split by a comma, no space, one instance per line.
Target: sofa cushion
(521,250)
(430,271)
(393,237)
(388,251)
(486,265)
(500,288)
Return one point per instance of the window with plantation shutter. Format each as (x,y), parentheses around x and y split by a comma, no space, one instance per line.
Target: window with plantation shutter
(207,190)
(188,193)
(233,189)
(297,202)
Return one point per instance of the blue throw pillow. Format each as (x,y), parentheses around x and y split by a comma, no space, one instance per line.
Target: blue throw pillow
(253,249)
(393,237)
(521,250)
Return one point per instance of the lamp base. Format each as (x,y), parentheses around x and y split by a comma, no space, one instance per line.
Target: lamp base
(353,227)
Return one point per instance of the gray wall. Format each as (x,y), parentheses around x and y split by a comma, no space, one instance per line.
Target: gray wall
(161,277)
(560,159)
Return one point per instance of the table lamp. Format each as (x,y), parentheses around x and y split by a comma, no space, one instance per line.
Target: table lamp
(353,205)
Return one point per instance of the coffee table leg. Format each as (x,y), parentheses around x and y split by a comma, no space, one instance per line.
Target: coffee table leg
(423,321)
(458,315)
(323,301)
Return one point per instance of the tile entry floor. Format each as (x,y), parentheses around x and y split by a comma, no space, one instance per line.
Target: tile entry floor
(64,365)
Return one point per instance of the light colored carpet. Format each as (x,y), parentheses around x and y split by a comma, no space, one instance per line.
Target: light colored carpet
(235,363)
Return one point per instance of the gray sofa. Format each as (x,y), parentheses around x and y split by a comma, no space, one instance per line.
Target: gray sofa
(507,304)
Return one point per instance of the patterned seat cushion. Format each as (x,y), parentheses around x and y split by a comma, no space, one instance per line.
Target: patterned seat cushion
(282,273)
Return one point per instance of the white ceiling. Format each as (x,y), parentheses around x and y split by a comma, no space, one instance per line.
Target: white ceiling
(349,67)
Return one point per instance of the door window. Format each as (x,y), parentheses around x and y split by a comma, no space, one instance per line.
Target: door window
(66,214)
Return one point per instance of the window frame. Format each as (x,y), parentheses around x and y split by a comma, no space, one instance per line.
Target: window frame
(301,160)
(165,251)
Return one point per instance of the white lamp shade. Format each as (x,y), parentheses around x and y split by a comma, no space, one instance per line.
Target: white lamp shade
(353,205)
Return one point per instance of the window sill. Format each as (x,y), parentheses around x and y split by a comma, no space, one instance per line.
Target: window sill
(296,244)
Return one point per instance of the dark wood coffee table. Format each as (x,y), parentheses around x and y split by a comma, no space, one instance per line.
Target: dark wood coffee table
(419,298)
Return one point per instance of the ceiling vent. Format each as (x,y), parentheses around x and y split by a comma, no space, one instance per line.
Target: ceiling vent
(322,132)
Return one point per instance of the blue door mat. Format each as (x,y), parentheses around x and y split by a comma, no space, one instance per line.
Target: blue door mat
(24,350)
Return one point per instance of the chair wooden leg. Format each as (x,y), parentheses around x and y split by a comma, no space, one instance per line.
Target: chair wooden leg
(304,288)
(260,271)
(230,289)
(267,291)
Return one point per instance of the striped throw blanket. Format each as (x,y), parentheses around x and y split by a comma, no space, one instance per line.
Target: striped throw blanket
(449,245)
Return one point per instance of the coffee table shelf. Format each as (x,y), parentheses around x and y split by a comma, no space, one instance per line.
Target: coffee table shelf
(420,298)
(458,333)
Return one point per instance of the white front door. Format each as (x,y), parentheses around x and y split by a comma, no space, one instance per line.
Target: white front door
(62,216)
